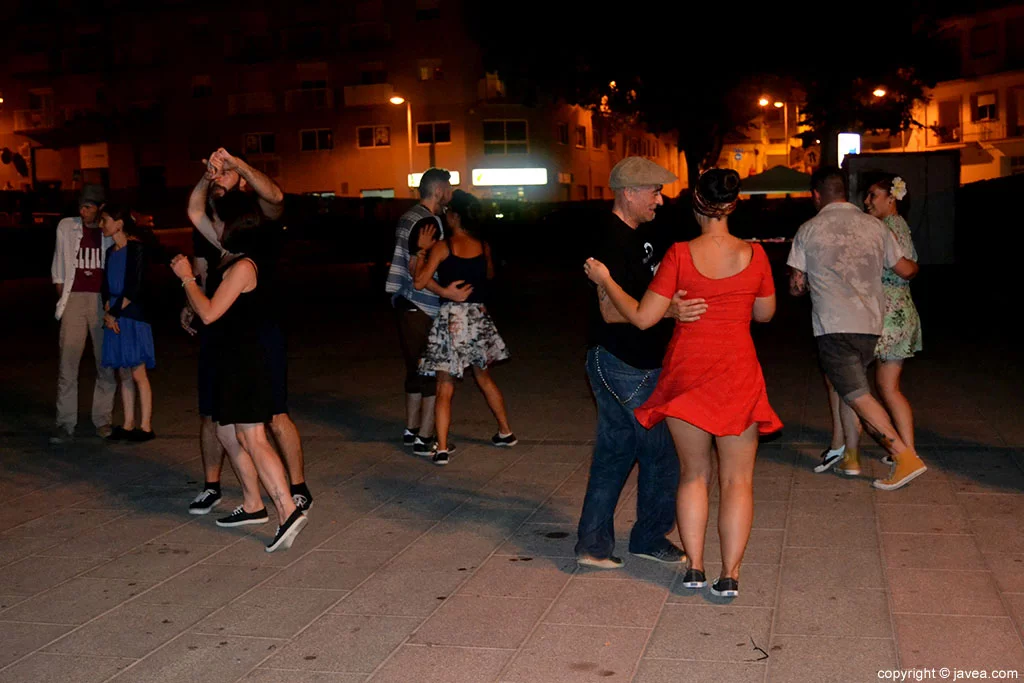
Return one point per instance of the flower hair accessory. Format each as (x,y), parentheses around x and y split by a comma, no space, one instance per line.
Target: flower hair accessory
(899,188)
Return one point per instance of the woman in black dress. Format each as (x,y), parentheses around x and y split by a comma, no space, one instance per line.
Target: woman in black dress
(243,400)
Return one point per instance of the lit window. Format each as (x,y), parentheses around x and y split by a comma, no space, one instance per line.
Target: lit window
(373,136)
(315,140)
(505,137)
(581,137)
(986,107)
(437,133)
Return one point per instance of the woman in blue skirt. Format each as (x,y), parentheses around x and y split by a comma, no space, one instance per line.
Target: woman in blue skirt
(128,338)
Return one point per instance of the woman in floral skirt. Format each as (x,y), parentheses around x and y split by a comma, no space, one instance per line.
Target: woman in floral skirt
(463,335)
(901,333)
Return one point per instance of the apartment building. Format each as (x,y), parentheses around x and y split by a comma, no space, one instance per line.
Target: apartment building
(351,99)
(979,109)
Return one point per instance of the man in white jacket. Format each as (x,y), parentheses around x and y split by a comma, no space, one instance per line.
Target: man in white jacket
(79,257)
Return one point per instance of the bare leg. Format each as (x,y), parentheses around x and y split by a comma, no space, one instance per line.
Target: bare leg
(887,376)
(145,397)
(443,408)
(837,422)
(211,449)
(412,411)
(850,426)
(253,438)
(244,468)
(492,394)
(427,417)
(286,434)
(127,397)
(694,448)
(736,509)
(876,422)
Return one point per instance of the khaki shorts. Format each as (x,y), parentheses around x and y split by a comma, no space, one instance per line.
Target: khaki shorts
(845,359)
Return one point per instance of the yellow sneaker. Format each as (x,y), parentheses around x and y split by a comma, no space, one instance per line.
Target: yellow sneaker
(850,464)
(908,467)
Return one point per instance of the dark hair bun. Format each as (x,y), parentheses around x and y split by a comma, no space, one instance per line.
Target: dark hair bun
(468,207)
(719,185)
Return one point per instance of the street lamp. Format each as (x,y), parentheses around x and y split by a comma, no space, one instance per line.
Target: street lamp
(399,100)
(878,92)
(779,104)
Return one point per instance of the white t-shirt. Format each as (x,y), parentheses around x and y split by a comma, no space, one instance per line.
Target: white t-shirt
(844,252)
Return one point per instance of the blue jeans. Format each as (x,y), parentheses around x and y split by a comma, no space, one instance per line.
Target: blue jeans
(621,441)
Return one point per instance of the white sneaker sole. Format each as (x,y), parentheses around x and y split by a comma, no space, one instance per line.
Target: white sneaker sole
(849,472)
(880,484)
(503,444)
(244,522)
(203,511)
(724,594)
(695,585)
(285,542)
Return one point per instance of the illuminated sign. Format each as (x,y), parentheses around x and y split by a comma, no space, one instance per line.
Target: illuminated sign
(414,178)
(849,143)
(489,177)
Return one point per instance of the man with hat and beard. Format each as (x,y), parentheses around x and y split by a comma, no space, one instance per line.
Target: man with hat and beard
(228,177)
(79,257)
(623,364)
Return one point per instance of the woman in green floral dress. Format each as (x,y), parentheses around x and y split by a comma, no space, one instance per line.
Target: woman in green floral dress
(901,332)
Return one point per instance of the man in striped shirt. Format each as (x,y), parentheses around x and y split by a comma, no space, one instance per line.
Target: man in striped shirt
(415,309)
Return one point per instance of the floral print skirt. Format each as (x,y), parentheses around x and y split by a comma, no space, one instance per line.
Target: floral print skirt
(462,335)
(901,331)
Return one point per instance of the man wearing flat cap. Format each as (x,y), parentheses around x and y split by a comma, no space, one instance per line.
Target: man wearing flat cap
(623,364)
(79,257)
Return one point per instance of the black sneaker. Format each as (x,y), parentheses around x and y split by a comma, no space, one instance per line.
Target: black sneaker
(440,458)
(139,435)
(302,501)
(119,434)
(409,437)
(424,446)
(725,588)
(204,502)
(668,554)
(287,532)
(504,441)
(828,459)
(694,578)
(240,517)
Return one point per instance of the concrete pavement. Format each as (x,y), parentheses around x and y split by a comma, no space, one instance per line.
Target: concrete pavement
(410,572)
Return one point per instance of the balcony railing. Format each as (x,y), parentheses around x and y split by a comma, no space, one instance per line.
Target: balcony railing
(368,95)
(306,100)
(982,131)
(26,120)
(243,104)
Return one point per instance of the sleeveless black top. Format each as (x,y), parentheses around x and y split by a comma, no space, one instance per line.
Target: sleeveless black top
(473,270)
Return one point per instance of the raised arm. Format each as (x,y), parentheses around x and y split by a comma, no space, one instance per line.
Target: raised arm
(239,278)
(270,195)
(197,211)
(645,314)
(427,266)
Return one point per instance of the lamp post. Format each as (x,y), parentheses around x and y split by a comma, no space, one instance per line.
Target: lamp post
(784,106)
(398,100)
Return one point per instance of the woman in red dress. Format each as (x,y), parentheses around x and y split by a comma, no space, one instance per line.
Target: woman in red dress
(711,386)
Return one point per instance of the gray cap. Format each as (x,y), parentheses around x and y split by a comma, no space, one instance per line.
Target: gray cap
(637,171)
(92,194)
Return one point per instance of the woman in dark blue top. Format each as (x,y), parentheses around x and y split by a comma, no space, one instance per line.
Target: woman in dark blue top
(463,334)
(128,338)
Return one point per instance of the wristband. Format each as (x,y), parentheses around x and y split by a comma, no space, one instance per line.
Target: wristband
(187,280)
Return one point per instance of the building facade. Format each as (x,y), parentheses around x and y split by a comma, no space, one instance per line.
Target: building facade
(140,97)
(979,110)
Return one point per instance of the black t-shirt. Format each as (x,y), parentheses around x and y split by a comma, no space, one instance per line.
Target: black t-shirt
(631,256)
